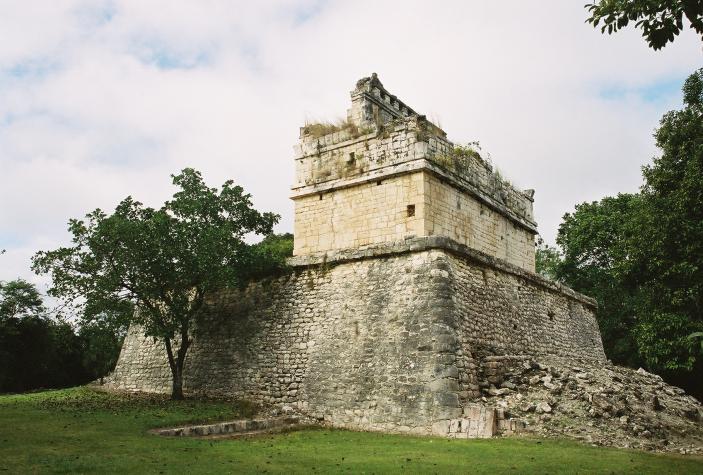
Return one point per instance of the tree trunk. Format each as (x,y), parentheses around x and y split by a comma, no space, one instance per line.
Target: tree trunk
(177,387)
(176,365)
(180,361)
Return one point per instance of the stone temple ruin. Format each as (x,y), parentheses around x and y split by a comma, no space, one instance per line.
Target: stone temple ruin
(391,175)
(412,305)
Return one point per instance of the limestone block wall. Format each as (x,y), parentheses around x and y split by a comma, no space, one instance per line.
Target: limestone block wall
(370,213)
(451,213)
(142,365)
(337,206)
(384,338)
(503,310)
(341,159)
(372,104)
(479,177)
(408,205)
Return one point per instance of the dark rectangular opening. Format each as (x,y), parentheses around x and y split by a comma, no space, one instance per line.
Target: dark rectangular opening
(411,211)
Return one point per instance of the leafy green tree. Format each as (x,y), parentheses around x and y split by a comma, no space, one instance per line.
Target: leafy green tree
(19,298)
(36,351)
(164,261)
(269,256)
(641,255)
(670,246)
(103,328)
(698,336)
(101,342)
(63,357)
(547,259)
(660,20)
(593,240)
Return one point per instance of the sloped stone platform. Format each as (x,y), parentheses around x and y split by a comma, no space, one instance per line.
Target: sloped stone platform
(386,340)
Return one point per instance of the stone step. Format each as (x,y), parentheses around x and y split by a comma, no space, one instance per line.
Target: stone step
(229,428)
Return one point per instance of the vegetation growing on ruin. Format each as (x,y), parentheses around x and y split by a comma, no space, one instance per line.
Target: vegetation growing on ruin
(80,430)
(320,129)
(462,158)
(472,150)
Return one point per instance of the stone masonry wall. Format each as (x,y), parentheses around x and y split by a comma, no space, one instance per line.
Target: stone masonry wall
(342,159)
(500,314)
(373,104)
(377,212)
(360,344)
(508,313)
(449,212)
(321,161)
(379,338)
(370,213)
(337,206)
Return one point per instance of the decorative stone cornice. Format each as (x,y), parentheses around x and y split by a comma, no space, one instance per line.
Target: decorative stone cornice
(371,89)
(412,166)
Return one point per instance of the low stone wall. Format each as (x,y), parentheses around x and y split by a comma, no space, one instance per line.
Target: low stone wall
(382,338)
(230,428)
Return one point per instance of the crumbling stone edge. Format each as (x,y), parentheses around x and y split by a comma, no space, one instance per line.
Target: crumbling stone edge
(419,244)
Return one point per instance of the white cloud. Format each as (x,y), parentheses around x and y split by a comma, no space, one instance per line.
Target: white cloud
(102,100)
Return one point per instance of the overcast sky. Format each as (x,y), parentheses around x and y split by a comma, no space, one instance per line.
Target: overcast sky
(100,100)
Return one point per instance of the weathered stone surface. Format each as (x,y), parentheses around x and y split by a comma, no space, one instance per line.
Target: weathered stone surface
(477,421)
(396,176)
(379,342)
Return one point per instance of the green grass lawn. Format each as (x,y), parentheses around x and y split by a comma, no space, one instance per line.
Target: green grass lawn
(82,431)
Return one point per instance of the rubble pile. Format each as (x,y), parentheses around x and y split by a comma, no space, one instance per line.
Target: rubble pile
(593,402)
